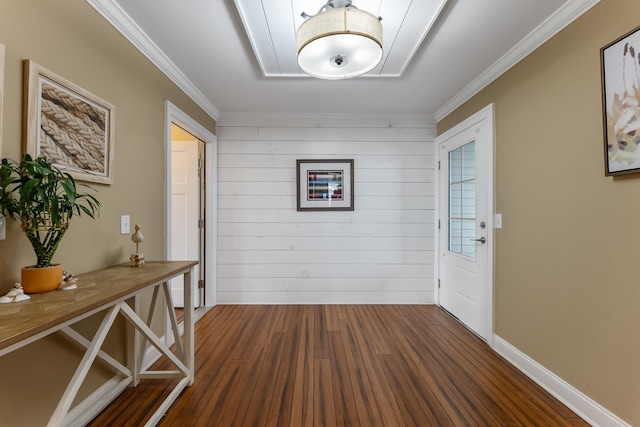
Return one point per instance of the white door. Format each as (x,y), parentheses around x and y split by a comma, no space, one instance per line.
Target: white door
(185,213)
(465,212)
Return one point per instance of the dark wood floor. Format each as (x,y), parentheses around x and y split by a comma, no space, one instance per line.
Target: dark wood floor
(383,365)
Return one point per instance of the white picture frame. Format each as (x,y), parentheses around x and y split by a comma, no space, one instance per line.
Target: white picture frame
(68,125)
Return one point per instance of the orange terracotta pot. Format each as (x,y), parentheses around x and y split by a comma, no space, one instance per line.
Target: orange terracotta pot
(43,279)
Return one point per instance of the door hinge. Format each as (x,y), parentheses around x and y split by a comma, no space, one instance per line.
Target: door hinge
(201,223)
(201,284)
(438,165)
(438,283)
(438,224)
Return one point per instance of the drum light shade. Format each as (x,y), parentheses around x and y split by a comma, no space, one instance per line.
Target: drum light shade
(339,43)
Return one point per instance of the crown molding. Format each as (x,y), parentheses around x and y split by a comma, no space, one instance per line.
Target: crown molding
(323,120)
(568,13)
(122,22)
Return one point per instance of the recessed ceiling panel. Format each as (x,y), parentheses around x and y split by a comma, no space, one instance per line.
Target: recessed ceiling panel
(271,26)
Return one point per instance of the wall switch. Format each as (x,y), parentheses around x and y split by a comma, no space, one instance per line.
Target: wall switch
(125,224)
(498,221)
(3,228)
(304,273)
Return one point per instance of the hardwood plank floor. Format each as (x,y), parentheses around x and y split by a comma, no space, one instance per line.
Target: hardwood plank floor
(350,365)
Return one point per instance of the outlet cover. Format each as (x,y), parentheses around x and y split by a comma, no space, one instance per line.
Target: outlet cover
(125,224)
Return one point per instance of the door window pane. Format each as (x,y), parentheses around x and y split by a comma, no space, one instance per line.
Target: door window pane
(462,200)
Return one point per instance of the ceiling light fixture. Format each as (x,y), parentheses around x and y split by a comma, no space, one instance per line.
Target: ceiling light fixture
(339,42)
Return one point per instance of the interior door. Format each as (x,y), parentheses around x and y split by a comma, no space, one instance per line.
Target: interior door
(185,213)
(465,204)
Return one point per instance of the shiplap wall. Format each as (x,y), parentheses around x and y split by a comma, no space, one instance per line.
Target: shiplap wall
(382,252)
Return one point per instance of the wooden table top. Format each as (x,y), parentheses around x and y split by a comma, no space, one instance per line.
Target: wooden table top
(22,320)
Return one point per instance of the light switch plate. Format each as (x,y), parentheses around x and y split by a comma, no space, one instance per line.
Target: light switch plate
(3,228)
(498,221)
(125,224)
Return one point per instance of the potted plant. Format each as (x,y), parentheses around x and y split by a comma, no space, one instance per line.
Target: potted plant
(43,199)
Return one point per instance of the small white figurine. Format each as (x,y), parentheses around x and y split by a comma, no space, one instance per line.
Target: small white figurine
(137,237)
(16,294)
(137,259)
(68,282)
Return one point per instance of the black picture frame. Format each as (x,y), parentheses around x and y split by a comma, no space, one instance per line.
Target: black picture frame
(620,64)
(325,185)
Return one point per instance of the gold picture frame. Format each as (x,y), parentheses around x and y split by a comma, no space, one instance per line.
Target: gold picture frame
(68,125)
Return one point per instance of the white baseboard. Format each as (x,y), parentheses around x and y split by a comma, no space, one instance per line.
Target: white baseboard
(591,411)
(423,297)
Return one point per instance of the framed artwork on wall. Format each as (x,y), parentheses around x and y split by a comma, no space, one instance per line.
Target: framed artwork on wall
(68,125)
(325,185)
(620,62)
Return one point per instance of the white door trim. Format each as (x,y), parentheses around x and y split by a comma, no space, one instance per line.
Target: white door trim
(174,115)
(488,114)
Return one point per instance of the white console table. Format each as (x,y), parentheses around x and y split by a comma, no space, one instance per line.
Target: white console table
(110,290)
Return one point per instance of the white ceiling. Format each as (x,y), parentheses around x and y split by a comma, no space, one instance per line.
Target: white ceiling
(202,45)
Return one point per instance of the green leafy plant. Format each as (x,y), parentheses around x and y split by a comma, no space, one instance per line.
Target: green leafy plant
(43,199)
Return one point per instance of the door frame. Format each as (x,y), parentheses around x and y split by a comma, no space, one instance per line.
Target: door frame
(176,116)
(488,114)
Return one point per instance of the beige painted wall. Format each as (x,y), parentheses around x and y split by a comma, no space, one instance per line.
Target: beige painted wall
(567,289)
(71,39)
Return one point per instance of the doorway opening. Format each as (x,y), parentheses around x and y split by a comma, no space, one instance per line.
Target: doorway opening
(190,210)
(188,197)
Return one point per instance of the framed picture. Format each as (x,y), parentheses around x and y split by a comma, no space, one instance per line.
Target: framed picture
(325,185)
(68,125)
(621,104)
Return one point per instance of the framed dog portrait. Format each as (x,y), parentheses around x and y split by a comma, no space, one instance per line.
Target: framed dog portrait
(620,62)
(325,185)
(68,125)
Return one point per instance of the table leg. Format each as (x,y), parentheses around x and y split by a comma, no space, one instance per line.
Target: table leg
(83,369)
(189,335)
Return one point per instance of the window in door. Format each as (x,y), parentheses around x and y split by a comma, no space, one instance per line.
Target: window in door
(462,200)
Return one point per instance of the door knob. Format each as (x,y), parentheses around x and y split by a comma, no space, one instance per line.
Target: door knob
(482,240)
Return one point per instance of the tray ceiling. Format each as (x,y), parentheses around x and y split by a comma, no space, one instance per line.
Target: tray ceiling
(271,26)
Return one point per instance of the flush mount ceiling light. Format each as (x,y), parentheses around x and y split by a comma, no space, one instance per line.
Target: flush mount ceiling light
(339,42)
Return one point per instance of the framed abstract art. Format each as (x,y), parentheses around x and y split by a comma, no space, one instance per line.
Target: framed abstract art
(325,185)
(620,61)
